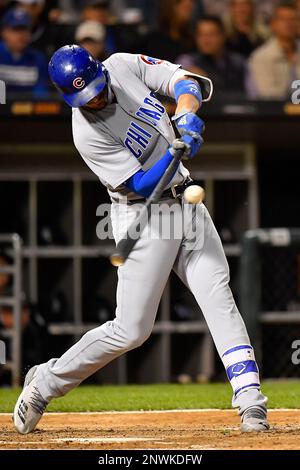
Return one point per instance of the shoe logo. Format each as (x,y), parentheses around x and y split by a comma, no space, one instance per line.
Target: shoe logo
(238,369)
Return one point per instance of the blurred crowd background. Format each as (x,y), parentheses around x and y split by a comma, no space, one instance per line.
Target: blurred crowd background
(248,48)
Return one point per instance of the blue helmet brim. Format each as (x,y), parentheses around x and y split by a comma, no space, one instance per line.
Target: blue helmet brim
(82,97)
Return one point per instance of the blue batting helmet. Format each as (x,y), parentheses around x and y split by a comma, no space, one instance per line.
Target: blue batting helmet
(77,75)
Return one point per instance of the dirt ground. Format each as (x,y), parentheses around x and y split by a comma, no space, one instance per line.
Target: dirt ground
(200,429)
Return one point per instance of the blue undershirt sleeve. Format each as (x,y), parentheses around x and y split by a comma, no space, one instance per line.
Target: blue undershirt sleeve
(144,182)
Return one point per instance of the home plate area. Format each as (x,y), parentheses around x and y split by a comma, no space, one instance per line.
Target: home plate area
(184,429)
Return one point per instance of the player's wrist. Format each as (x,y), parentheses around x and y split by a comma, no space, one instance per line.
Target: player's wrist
(180,113)
(188,104)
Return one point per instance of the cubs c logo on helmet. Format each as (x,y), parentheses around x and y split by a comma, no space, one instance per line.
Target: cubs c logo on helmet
(151,60)
(78,83)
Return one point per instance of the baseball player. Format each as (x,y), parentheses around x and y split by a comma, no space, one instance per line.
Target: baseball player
(124,135)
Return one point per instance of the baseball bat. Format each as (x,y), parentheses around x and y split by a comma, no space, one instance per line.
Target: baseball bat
(126,244)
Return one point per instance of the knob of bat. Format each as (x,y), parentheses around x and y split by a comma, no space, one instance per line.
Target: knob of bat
(117,260)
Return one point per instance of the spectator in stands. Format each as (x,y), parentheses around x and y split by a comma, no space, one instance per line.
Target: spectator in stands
(114,10)
(44,11)
(149,10)
(23,68)
(44,37)
(226,69)
(174,35)
(98,10)
(264,8)
(37,11)
(276,64)
(68,11)
(65,11)
(91,36)
(244,31)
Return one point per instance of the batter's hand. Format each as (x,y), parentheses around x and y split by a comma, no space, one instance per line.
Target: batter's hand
(190,127)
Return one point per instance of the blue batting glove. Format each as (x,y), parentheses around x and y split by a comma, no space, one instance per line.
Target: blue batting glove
(189,123)
(190,127)
(194,145)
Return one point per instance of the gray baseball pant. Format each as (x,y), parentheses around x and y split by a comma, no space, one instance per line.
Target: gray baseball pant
(203,268)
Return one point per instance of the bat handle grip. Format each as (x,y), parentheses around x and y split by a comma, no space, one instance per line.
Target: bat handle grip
(117,260)
(123,249)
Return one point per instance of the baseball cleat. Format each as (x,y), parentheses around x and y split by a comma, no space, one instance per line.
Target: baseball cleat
(254,419)
(30,405)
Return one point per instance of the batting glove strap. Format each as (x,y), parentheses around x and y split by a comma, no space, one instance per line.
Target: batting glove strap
(189,123)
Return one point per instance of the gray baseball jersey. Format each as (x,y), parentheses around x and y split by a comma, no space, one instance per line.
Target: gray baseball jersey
(135,131)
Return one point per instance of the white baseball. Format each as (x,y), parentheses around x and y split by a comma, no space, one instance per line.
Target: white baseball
(194,194)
